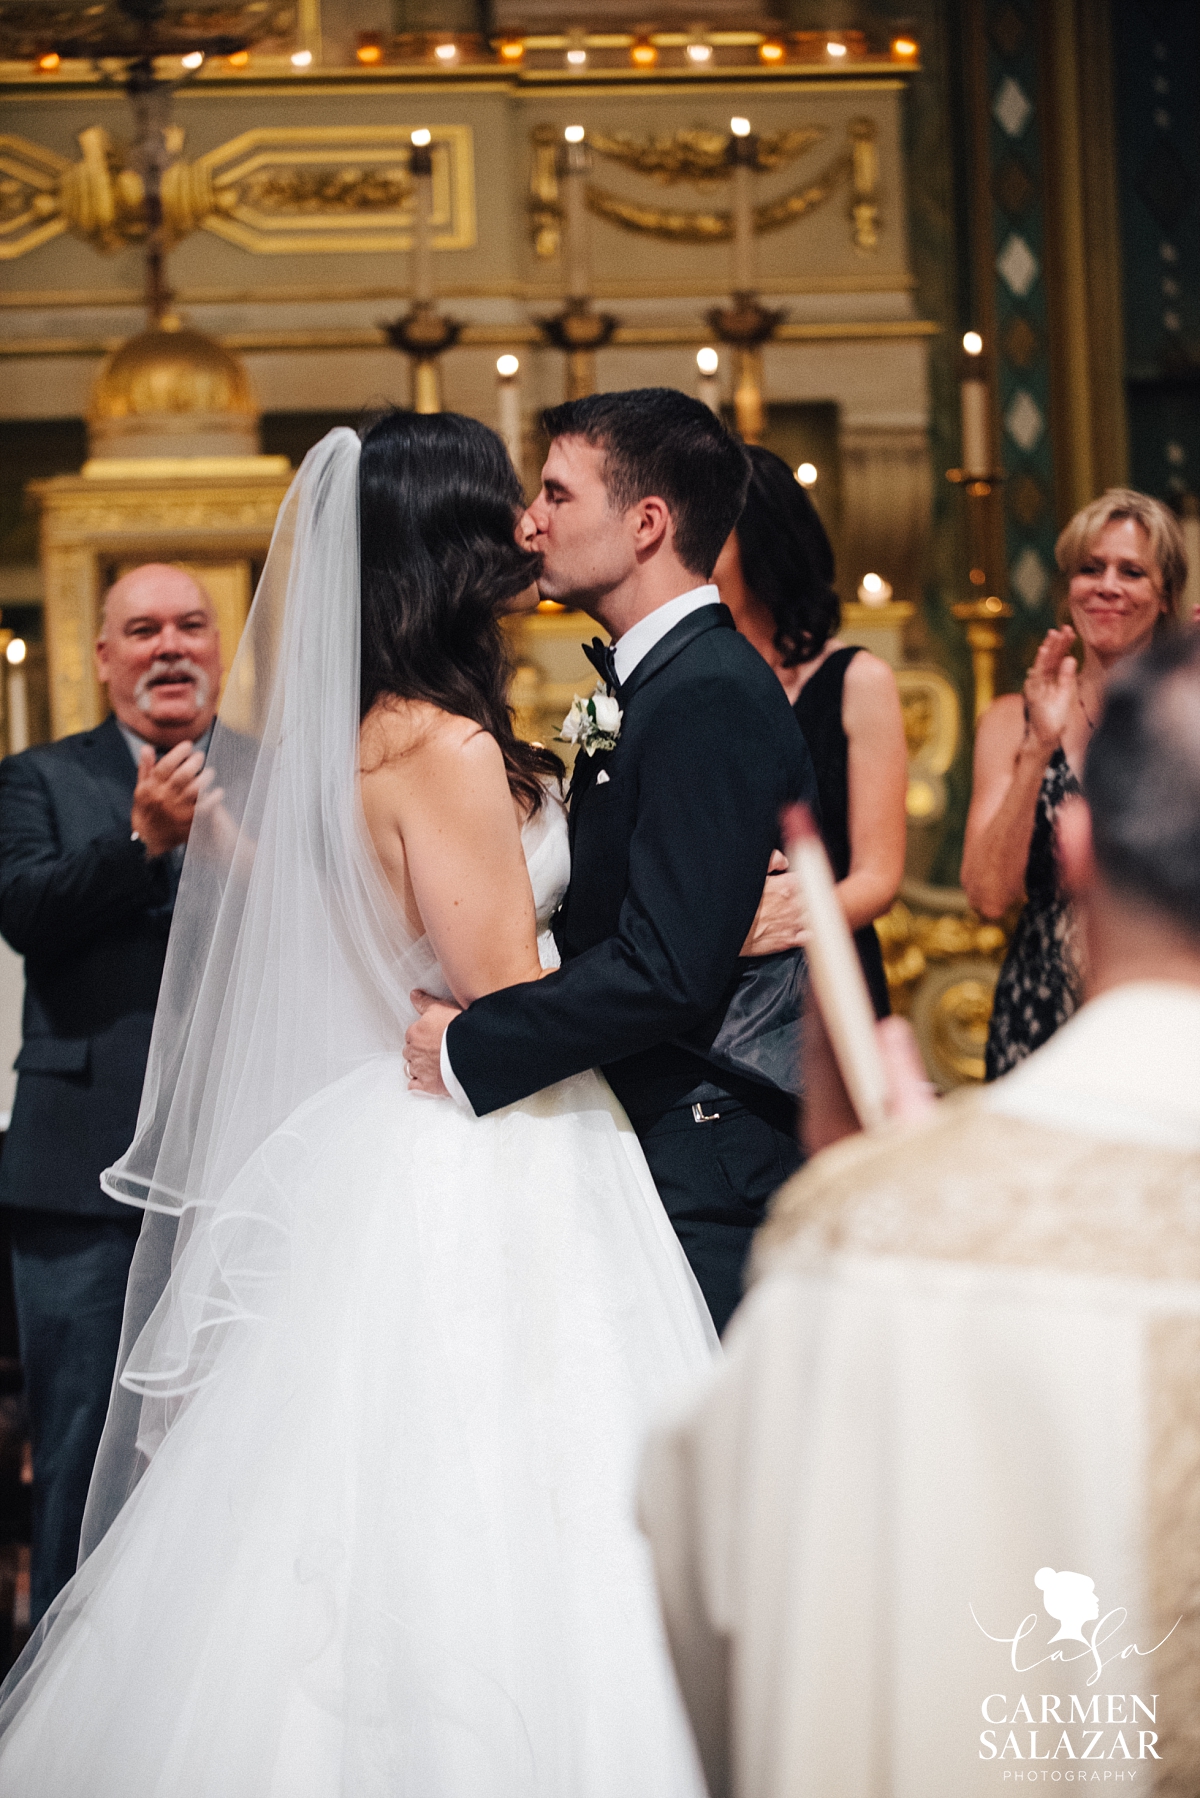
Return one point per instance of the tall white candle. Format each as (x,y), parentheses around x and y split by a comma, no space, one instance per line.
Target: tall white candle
(742,157)
(579,273)
(508,404)
(18,711)
(708,387)
(974,400)
(422,259)
(743,229)
(976,430)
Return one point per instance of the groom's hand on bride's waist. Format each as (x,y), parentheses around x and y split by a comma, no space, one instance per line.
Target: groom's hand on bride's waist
(423,1044)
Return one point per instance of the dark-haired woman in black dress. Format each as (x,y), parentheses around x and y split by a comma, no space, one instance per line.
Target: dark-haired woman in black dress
(775,574)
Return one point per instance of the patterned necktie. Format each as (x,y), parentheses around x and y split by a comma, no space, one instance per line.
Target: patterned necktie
(603,658)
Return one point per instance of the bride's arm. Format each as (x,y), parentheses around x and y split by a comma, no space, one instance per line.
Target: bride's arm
(442,819)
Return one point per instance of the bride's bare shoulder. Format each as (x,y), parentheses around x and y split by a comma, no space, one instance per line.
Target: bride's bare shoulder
(412,737)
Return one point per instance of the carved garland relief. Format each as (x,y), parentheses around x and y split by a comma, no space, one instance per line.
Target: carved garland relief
(699,157)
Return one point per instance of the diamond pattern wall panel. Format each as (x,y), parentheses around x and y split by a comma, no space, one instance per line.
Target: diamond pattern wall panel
(1018,229)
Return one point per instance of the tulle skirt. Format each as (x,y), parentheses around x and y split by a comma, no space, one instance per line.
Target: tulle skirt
(387,1547)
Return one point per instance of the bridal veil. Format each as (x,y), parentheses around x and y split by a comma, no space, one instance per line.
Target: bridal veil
(288,966)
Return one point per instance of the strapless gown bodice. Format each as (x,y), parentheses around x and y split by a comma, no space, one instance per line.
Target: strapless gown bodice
(387,1548)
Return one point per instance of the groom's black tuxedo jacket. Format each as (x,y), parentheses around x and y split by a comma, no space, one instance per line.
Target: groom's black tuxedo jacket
(671,834)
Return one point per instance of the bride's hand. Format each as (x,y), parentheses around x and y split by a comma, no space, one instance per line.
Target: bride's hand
(423,1044)
(780,921)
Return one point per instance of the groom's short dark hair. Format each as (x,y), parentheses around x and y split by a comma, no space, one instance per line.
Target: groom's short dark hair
(657,440)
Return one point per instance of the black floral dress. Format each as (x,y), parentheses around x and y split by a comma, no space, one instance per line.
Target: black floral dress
(1039,985)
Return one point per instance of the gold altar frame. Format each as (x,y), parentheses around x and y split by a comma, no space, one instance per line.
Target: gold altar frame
(212,515)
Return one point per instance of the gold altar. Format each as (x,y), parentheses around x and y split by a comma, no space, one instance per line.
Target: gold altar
(213,515)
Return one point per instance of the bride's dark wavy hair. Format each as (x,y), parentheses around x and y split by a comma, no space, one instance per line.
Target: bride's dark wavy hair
(438,502)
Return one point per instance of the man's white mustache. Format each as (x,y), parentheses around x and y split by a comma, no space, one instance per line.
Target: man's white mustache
(179,668)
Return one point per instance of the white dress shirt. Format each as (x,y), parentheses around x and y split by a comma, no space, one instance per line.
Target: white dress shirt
(630,649)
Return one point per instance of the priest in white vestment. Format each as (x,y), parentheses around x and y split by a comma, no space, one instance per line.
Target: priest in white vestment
(933,1527)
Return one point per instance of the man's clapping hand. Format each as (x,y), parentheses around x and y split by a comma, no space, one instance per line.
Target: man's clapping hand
(164,799)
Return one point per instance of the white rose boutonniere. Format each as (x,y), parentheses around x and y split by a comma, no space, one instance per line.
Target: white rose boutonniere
(593,723)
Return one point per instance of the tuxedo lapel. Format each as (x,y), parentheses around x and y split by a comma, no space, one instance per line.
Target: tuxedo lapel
(104,754)
(704,618)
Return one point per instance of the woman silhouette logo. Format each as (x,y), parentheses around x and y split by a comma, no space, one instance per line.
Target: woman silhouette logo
(1070,1598)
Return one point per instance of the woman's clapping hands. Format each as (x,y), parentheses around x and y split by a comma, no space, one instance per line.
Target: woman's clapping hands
(1051,688)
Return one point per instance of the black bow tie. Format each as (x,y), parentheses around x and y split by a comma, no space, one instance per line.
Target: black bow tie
(603,658)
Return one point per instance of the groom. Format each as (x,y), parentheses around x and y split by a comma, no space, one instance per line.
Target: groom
(673,819)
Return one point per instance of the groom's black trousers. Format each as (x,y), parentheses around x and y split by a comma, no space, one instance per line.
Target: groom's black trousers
(716,1159)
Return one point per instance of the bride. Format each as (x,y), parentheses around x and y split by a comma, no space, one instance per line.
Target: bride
(361,1519)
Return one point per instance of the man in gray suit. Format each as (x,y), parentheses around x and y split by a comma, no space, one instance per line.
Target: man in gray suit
(92,831)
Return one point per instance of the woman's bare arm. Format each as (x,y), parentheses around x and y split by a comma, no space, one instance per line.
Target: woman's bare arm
(1014,741)
(1009,766)
(443,822)
(877,780)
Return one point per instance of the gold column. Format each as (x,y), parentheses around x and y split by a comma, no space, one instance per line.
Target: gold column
(1082,253)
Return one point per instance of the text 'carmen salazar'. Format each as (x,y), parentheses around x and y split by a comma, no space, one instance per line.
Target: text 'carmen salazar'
(1104,1726)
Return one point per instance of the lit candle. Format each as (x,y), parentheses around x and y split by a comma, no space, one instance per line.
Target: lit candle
(508,396)
(976,422)
(709,390)
(743,148)
(18,704)
(574,180)
(421,168)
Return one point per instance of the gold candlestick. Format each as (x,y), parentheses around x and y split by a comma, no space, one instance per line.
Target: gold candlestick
(984,614)
(984,619)
(424,335)
(746,325)
(580,332)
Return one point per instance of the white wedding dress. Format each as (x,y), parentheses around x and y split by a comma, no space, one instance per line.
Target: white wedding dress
(389,1548)
(361,1524)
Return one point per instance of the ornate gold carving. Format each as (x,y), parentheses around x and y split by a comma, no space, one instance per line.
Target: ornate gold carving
(941,960)
(103,198)
(326,190)
(274,191)
(931,728)
(715,227)
(691,156)
(108,28)
(700,156)
(29,211)
(958,1027)
(283,189)
(864,211)
(545,207)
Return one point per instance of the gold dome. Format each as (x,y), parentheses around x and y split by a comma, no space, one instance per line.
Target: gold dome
(162,372)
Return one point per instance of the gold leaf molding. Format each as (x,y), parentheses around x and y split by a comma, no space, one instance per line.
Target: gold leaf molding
(700,157)
(272,191)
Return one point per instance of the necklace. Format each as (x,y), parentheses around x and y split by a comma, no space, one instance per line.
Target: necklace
(1089,720)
